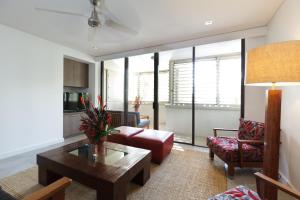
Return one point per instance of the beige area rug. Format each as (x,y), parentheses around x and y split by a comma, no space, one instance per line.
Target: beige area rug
(185,174)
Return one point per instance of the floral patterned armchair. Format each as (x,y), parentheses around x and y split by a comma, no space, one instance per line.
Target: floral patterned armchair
(244,150)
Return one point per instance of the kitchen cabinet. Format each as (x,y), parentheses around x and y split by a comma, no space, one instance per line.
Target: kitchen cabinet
(76,74)
(72,123)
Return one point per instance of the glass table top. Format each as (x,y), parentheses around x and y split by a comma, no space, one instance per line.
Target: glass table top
(100,154)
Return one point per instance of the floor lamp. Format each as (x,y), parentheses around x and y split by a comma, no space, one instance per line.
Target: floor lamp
(274,64)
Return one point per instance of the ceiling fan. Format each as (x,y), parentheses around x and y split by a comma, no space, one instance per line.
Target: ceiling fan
(100,17)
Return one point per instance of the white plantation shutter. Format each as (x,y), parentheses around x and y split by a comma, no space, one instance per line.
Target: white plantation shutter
(217,81)
(230,81)
(206,81)
(146,86)
(182,83)
(133,86)
(163,86)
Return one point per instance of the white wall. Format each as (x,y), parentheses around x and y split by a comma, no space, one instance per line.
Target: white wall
(285,26)
(179,120)
(94,82)
(31,79)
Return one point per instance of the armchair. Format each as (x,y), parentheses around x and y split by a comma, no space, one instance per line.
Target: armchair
(54,191)
(242,192)
(243,150)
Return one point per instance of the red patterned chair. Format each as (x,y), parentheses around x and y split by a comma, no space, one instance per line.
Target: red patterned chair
(244,193)
(244,150)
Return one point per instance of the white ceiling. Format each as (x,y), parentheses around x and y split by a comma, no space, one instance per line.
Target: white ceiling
(157,21)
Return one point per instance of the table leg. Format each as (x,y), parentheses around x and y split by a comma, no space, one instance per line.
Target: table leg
(113,192)
(143,176)
(47,177)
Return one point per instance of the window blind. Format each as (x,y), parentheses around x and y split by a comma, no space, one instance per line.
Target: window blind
(163,86)
(230,81)
(217,81)
(145,86)
(206,77)
(182,83)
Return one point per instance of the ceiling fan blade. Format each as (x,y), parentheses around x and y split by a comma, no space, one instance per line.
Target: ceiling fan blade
(103,10)
(120,27)
(60,12)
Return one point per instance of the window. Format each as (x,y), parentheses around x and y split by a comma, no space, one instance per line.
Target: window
(206,81)
(217,81)
(145,86)
(230,81)
(143,82)
(182,82)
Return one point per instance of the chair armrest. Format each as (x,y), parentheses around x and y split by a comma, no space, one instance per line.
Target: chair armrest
(53,190)
(145,117)
(132,120)
(250,141)
(222,129)
(285,188)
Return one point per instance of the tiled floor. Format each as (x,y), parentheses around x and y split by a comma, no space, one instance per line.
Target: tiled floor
(12,165)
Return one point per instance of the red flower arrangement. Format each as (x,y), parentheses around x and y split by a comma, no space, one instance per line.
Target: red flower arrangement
(96,125)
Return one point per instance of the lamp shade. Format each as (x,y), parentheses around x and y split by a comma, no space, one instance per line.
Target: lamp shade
(274,63)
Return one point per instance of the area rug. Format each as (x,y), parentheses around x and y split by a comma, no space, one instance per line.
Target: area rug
(184,174)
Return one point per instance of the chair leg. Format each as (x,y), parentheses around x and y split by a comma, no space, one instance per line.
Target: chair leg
(230,170)
(211,154)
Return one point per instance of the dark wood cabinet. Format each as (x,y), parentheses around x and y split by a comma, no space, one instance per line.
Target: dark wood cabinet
(76,74)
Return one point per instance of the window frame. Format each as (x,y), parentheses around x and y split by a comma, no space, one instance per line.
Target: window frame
(139,89)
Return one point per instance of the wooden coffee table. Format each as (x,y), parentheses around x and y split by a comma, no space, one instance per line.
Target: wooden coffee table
(108,171)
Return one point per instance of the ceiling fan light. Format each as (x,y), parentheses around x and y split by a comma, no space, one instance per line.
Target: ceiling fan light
(94,21)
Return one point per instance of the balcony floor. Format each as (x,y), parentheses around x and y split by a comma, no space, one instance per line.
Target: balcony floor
(199,140)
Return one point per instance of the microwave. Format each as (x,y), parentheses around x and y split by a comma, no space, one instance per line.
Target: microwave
(72,101)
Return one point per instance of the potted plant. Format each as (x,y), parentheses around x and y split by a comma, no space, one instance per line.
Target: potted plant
(137,103)
(96,123)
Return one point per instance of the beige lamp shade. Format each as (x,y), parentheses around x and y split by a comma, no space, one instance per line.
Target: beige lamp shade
(274,63)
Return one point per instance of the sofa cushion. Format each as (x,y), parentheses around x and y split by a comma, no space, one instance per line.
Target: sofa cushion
(144,123)
(124,133)
(238,193)
(251,130)
(128,131)
(227,149)
(138,117)
(159,142)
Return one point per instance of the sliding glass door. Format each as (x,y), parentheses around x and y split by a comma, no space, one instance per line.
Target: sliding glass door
(114,89)
(187,91)
(217,88)
(175,93)
(141,89)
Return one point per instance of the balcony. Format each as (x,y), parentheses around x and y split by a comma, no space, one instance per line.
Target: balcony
(179,120)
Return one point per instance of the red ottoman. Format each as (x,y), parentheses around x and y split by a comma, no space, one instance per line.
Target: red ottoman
(159,142)
(125,133)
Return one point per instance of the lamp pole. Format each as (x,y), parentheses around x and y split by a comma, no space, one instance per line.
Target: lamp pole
(272,140)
